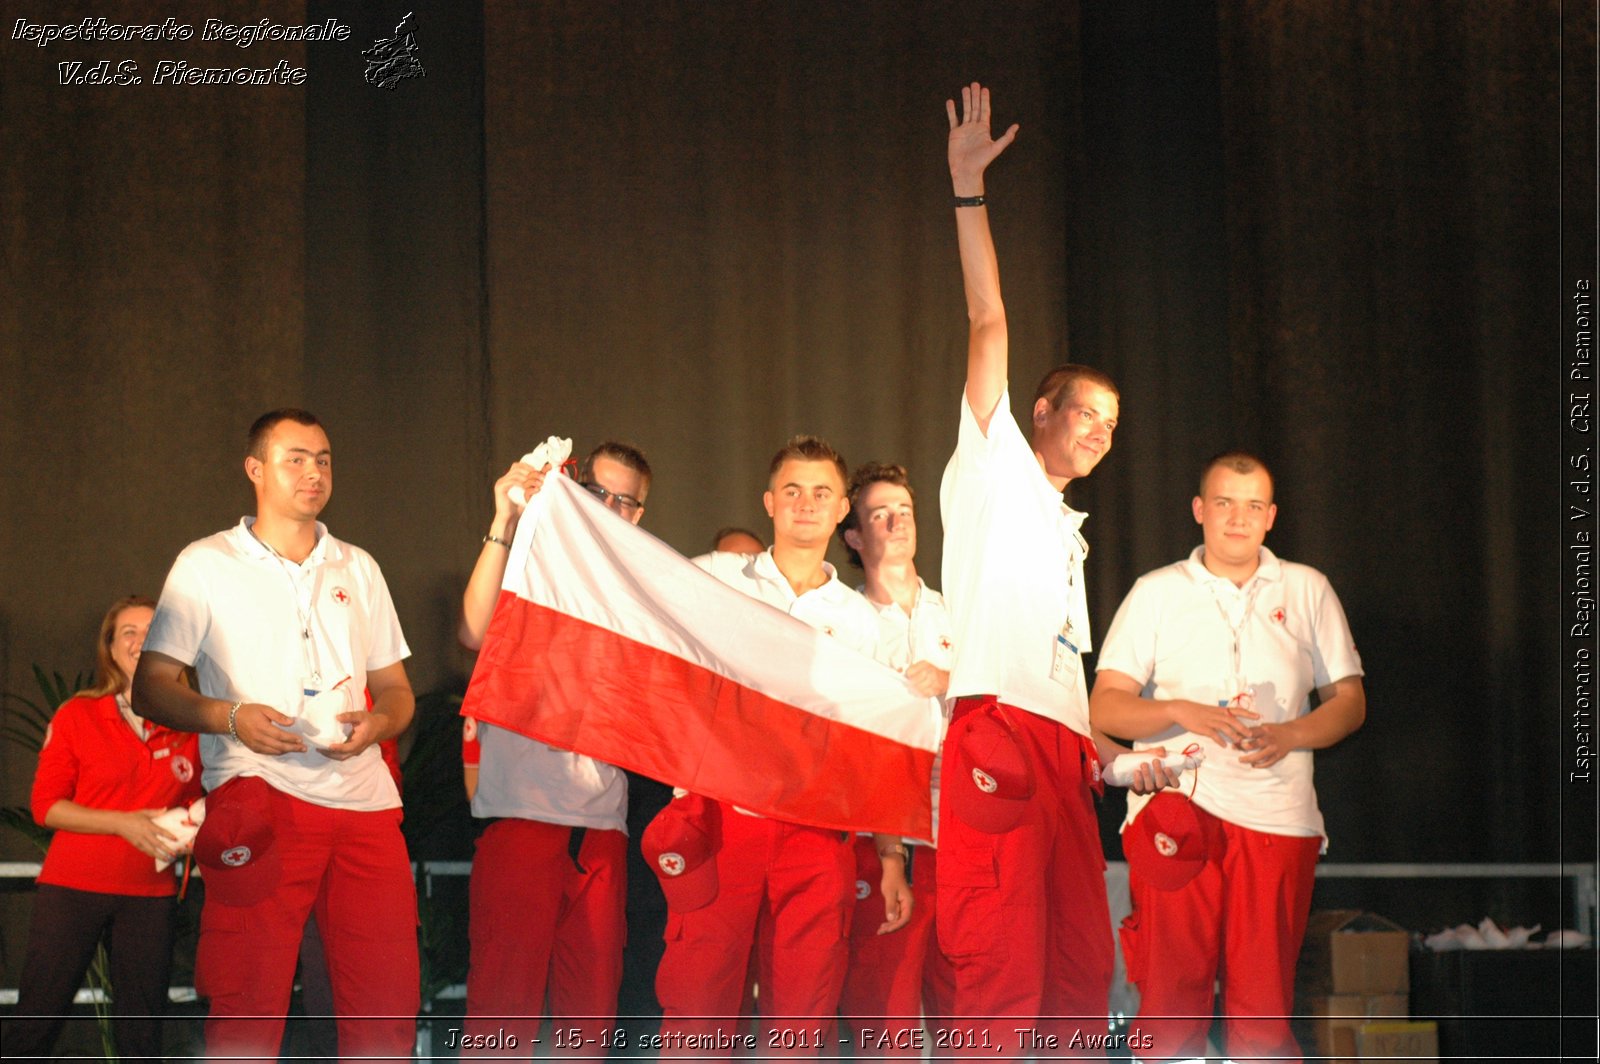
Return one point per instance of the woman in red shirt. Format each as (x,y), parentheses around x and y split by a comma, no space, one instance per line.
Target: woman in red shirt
(104,775)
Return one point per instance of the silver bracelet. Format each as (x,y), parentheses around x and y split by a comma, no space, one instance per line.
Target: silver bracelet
(492,538)
(233,714)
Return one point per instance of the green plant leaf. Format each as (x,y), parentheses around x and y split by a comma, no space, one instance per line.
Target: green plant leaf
(20,820)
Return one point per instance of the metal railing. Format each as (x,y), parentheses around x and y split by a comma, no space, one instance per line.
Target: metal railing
(1585,898)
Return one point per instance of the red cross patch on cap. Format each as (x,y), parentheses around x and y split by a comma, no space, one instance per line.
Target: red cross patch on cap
(1167,843)
(681,845)
(992,779)
(234,846)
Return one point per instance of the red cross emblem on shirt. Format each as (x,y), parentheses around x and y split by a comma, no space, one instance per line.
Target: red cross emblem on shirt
(944,642)
(1277,614)
(341,596)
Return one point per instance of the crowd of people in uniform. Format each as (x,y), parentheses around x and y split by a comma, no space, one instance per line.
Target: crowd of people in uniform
(994,937)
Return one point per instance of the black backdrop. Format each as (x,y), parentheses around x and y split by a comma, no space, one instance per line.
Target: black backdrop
(1327,231)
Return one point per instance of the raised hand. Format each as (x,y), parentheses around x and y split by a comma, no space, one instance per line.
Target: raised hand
(522,475)
(971,147)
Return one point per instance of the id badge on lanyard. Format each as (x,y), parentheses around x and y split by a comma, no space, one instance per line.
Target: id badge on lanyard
(1065,661)
(1237,690)
(1066,652)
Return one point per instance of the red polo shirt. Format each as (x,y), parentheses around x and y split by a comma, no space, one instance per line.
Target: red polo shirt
(92,757)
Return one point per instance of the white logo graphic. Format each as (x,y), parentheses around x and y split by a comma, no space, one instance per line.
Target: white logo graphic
(671,863)
(863,890)
(237,856)
(985,782)
(1164,845)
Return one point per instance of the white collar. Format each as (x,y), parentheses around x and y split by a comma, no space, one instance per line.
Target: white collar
(1268,569)
(766,567)
(891,605)
(324,551)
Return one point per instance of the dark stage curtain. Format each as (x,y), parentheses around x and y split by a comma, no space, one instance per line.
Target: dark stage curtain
(1324,231)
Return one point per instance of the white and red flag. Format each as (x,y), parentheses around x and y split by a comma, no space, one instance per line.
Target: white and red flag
(608,642)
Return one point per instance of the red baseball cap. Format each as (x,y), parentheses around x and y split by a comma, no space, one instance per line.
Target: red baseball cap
(993,779)
(681,844)
(234,846)
(1166,845)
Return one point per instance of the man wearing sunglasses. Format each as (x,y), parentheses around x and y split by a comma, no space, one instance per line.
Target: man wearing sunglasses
(548,894)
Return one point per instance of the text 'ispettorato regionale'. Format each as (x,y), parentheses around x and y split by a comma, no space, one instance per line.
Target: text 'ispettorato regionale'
(177,71)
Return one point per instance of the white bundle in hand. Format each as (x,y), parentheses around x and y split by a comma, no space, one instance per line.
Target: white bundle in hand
(319,717)
(552,453)
(1120,770)
(182,824)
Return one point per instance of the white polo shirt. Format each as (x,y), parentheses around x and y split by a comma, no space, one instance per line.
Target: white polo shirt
(1174,634)
(832,608)
(921,635)
(924,634)
(524,778)
(259,628)
(1013,574)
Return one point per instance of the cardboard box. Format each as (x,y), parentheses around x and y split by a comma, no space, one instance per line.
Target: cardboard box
(1390,1040)
(1337,1017)
(1348,951)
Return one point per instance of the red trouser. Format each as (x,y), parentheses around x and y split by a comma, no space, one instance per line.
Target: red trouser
(538,920)
(882,999)
(1023,914)
(938,972)
(1244,916)
(351,868)
(799,880)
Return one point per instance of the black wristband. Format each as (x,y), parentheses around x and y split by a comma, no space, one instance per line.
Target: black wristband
(969,201)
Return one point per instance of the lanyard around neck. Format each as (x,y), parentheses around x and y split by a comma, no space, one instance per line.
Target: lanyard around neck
(1236,628)
(305,614)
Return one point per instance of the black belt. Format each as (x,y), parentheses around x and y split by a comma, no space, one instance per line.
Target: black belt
(575,846)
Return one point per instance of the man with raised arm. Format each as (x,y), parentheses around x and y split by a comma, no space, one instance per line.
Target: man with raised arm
(1223,651)
(549,889)
(286,627)
(1021,894)
(797,881)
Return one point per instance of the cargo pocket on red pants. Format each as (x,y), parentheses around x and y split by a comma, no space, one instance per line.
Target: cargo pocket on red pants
(1135,955)
(224,931)
(968,890)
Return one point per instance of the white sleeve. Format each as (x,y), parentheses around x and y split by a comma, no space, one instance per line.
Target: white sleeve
(1334,654)
(1130,644)
(183,615)
(386,642)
